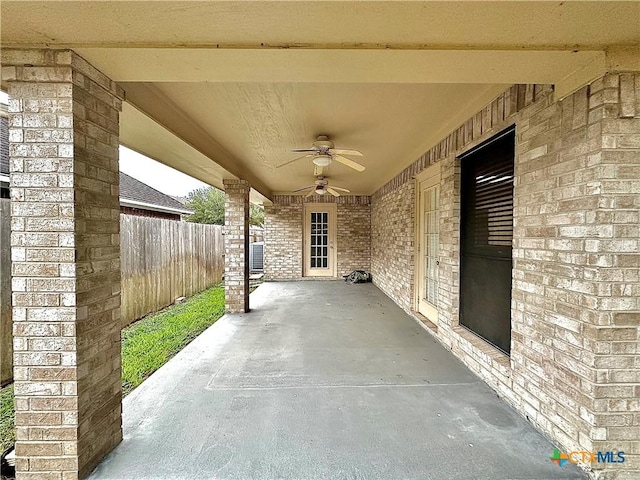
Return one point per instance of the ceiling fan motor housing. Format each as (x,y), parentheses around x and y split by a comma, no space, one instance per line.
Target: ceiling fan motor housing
(323,143)
(323,153)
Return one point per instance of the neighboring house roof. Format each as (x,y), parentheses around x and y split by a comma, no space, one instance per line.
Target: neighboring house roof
(135,194)
(4,143)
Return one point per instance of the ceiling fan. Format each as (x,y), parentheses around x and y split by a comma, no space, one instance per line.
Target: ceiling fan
(323,153)
(320,187)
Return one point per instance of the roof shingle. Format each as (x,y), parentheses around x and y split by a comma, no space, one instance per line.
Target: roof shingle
(136,191)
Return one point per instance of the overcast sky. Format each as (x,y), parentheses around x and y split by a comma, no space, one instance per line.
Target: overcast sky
(155,174)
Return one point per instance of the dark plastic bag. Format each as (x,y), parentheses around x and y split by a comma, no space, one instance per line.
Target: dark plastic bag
(358,276)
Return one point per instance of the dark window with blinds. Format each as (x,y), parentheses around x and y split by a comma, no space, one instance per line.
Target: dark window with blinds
(486,238)
(487,189)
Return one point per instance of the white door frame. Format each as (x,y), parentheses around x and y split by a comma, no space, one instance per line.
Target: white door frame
(425,181)
(332,267)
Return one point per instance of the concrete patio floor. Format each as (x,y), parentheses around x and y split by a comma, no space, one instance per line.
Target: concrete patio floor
(322,380)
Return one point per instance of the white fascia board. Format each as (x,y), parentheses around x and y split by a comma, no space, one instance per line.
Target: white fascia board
(125,202)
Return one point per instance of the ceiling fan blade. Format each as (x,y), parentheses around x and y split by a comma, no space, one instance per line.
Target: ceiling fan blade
(348,163)
(294,160)
(342,189)
(303,188)
(304,150)
(346,152)
(333,192)
(310,193)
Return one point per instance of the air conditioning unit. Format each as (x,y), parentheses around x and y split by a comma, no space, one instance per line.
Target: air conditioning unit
(256,256)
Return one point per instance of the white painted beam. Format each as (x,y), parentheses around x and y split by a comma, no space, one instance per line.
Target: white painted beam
(340,65)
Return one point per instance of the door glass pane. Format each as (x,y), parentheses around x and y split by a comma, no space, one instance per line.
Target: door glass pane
(319,240)
(430,245)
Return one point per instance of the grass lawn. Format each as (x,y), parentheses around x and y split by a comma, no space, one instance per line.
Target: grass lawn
(7,428)
(146,346)
(151,342)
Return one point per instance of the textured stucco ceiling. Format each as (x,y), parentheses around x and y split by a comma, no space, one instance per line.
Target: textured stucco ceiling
(392,124)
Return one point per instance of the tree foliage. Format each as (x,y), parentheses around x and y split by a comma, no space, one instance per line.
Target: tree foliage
(208,206)
(256,215)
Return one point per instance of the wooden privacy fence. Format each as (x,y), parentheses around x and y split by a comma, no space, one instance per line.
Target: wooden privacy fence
(162,260)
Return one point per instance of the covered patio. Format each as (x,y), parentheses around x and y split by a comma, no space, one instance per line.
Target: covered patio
(493,164)
(320,381)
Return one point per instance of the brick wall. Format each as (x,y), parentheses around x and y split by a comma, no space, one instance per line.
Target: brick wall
(392,243)
(393,206)
(63,117)
(283,234)
(353,236)
(617,349)
(574,369)
(283,241)
(236,246)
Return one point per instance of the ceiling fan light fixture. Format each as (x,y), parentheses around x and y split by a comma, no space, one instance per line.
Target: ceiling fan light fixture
(320,190)
(322,160)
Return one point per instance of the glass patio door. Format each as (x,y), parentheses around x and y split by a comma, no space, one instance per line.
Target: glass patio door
(428,243)
(320,230)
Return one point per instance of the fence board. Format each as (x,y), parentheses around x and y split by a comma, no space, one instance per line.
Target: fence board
(162,260)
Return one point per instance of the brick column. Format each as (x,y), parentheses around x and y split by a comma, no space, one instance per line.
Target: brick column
(611,326)
(63,117)
(576,281)
(236,246)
